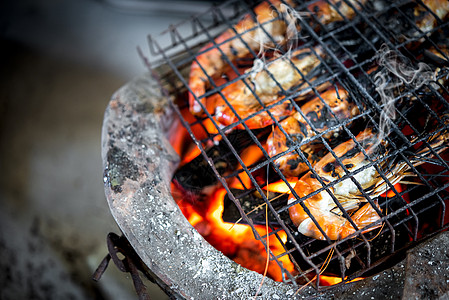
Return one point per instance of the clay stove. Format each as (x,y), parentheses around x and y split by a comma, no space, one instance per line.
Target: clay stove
(139,164)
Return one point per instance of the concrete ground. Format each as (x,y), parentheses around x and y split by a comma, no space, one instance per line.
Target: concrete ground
(61,61)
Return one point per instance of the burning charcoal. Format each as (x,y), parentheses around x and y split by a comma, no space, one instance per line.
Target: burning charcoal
(198,173)
(254,206)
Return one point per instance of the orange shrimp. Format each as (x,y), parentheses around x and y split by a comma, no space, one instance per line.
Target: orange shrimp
(242,94)
(323,207)
(291,164)
(212,63)
(260,119)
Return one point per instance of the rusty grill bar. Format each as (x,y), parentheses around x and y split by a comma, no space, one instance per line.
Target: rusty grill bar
(405,222)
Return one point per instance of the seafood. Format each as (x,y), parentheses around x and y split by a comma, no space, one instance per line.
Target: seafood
(271,28)
(211,61)
(246,96)
(322,206)
(298,129)
(427,20)
(259,119)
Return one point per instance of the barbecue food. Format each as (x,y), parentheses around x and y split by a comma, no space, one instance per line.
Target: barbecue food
(334,106)
(288,71)
(314,178)
(259,98)
(273,18)
(323,207)
(212,61)
(426,21)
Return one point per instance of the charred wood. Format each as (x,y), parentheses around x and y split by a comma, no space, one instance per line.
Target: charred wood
(198,173)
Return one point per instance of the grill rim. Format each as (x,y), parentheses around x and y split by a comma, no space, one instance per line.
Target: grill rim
(127,124)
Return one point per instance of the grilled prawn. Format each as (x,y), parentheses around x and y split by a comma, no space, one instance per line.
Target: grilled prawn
(321,116)
(246,96)
(427,21)
(323,207)
(272,27)
(211,61)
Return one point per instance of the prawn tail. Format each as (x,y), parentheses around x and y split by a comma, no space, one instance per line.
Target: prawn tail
(333,226)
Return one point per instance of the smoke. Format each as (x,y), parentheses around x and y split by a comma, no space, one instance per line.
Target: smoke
(396,71)
(290,16)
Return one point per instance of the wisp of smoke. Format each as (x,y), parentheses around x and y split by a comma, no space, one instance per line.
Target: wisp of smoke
(396,71)
(290,16)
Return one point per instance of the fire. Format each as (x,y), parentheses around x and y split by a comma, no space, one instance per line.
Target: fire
(390,193)
(178,135)
(249,156)
(235,240)
(191,154)
(280,186)
(332,280)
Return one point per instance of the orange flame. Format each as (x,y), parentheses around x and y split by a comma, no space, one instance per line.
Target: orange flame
(332,280)
(236,240)
(390,193)
(280,186)
(249,156)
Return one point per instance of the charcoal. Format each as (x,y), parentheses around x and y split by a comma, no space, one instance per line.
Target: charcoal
(253,205)
(198,173)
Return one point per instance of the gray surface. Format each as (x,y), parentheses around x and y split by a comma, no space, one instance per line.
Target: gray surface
(428,270)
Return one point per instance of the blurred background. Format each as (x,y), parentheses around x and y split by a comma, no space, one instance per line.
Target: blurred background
(61,61)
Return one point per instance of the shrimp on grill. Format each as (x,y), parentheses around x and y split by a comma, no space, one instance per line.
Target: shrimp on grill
(427,20)
(244,95)
(322,206)
(271,28)
(211,61)
(260,119)
(298,129)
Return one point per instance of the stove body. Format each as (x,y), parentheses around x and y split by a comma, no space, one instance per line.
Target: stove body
(177,257)
(139,165)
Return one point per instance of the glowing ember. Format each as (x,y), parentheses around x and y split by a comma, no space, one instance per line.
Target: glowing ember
(280,186)
(391,193)
(332,280)
(235,240)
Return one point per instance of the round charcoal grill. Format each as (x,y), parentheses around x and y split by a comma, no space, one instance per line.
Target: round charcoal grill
(140,163)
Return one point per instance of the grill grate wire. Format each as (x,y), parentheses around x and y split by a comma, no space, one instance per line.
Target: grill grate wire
(405,219)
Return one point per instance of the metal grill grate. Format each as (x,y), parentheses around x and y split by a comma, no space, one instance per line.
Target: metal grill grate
(410,215)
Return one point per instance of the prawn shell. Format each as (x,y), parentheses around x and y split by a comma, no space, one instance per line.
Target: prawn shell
(235,43)
(321,205)
(226,117)
(321,117)
(333,225)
